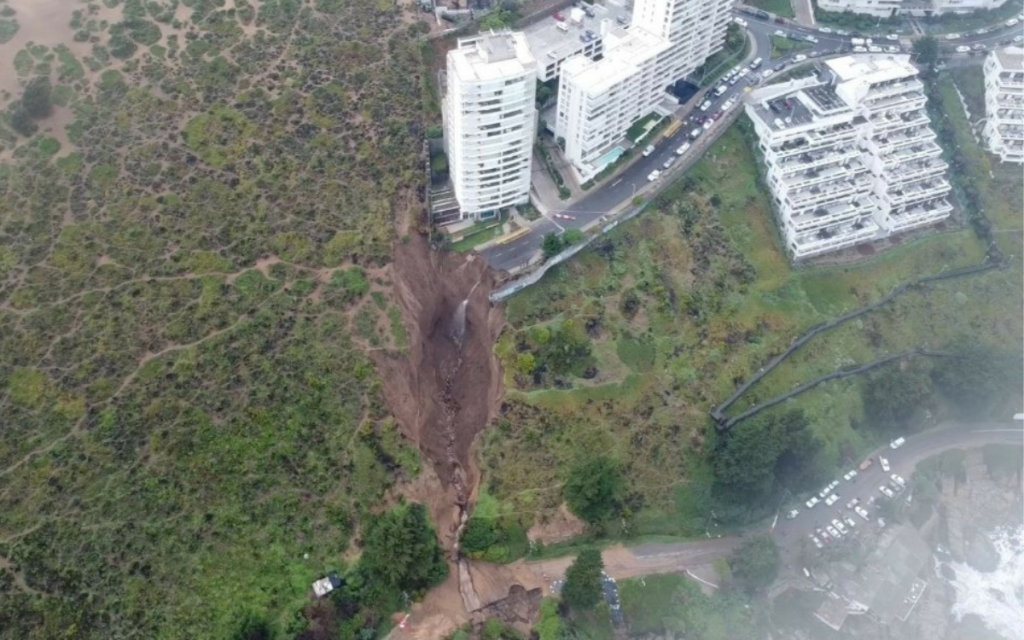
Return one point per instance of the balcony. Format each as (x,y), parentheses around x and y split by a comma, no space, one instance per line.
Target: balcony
(1011,131)
(805,161)
(919,214)
(916,170)
(821,176)
(898,104)
(842,236)
(811,144)
(890,142)
(914,192)
(917,151)
(825,196)
(880,92)
(824,215)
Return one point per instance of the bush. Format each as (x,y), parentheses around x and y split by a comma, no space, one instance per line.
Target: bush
(36,99)
(435,132)
(755,564)
(582,589)
(593,488)
(439,165)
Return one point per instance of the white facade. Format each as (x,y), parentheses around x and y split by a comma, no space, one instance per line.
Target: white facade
(1004,103)
(490,121)
(599,100)
(851,158)
(885,8)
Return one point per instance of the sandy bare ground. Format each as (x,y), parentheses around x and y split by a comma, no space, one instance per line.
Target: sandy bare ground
(442,611)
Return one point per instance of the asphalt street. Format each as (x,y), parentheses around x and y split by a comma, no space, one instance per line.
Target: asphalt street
(617,194)
(865,486)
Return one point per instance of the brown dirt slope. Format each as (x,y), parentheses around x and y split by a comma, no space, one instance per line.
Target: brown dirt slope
(443,394)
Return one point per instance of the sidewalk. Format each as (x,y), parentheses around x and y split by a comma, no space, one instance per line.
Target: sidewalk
(804,10)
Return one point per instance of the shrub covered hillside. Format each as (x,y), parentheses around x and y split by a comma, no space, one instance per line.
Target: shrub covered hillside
(196,198)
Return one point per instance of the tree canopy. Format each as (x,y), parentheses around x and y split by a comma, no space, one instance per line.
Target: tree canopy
(927,51)
(582,589)
(978,376)
(400,551)
(890,397)
(755,564)
(592,489)
(761,455)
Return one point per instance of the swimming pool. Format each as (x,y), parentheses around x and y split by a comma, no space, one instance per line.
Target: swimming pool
(609,158)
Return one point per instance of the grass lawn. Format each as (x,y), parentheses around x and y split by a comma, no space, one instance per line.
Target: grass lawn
(779,7)
(785,46)
(674,605)
(692,297)
(478,234)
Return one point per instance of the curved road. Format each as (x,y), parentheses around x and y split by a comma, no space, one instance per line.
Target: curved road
(600,204)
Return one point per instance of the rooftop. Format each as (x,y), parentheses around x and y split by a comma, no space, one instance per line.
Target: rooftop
(544,37)
(624,52)
(871,68)
(492,56)
(1010,58)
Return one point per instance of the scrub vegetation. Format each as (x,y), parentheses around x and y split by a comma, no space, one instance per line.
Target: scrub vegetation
(657,322)
(193,217)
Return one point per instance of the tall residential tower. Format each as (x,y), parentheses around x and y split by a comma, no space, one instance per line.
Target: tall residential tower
(1004,103)
(490,121)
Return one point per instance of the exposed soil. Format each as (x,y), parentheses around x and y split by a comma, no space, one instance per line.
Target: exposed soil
(444,392)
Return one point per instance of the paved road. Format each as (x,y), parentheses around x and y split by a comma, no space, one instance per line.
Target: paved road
(617,194)
(865,486)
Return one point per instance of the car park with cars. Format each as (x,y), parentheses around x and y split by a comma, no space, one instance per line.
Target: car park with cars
(831,500)
(833,532)
(853,503)
(898,480)
(816,541)
(849,522)
(887,492)
(850,475)
(862,512)
(812,502)
(840,527)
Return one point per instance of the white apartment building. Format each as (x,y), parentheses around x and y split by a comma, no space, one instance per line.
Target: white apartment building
(599,100)
(1004,103)
(885,8)
(851,157)
(490,121)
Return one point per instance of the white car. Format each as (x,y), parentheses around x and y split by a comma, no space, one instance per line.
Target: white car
(743,72)
(850,475)
(952,36)
(705,106)
(885,464)
(810,503)
(654,175)
(963,49)
(849,522)
(649,150)
(668,163)
(792,514)
(897,443)
(841,32)
(780,33)
(831,500)
(825,30)
(892,49)
(833,484)
(887,492)
(681,150)
(767,73)
(852,503)
(708,124)
(824,492)
(839,527)
(862,512)
(799,57)
(832,531)
(898,480)
(875,49)
(816,542)
(1011,22)
(892,36)
(881,523)
(860,50)
(1018,38)
(811,39)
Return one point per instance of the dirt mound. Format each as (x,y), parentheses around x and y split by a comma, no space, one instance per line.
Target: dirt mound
(447,388)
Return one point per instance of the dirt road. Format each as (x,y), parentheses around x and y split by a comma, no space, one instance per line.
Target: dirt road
(436,615)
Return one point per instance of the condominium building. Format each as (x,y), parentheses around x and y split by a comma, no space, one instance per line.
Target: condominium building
(1004,103)
(850,156)
(920,8)
(490,121)
(598,100)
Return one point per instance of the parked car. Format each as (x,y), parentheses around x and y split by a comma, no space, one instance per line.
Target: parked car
(767,73)
(1018,39)
(825,30)
(833,484)
(799,57)
(850,475)
(681,150)
(833,532)
(892,36)
(840,527)
(866,464)
(823,534)
(1011,22)
(952,36)
(874,49)
(885,464)
(779,33)
(706,105)
(824,492)
(892,49)
(881,523)
(862,512)
(897,443)
(898,480)
(849,522)
(558,16)
(831,500)
(649,150)
(668,163)
(963,49)
(696,133)
(982,31)
(817,543)
(860,50)
(887,492)
(654,175)
(811,39)
(978,47)
(792,514)
(842,32)
(812,502)
(853,503)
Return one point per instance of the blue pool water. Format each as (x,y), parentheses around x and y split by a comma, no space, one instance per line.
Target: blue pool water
(609,157)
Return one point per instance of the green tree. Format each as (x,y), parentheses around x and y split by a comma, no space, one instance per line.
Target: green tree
(21,121)
(755,564)
(435,132)
(401,553)
(36,99)
(892,396)
(927,51)
(592,489)
(582,589)
(439,165)
(573,236)
(551,245)
(478,535)
(978,376)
